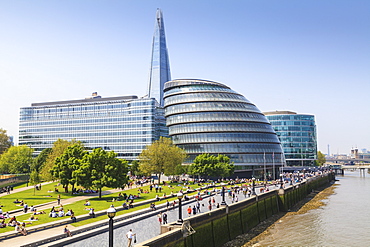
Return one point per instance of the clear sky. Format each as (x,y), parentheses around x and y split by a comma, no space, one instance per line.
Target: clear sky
(305,56)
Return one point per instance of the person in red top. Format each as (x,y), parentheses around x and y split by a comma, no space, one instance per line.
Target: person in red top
(189,211)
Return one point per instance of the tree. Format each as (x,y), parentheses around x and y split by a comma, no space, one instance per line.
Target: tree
(40,160)
(5,142)
(101,168)
(161,157)
(16,159)
(320,159)
(135,168)
(66,165)
(57,150)
(34,179)
(210,165)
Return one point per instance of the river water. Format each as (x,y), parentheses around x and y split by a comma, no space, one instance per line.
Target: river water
(343,220)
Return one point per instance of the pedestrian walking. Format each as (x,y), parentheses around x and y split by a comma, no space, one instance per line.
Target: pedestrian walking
(160,218)
(58,199)
(25,208)
(194,210)
(129,236)
(164,216)
(198,206)
(189,211)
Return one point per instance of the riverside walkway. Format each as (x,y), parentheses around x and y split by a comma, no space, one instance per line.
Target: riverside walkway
(144,223)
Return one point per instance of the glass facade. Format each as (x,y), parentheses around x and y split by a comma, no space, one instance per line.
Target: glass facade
(208,117)
(122,124)
(160,65)
(297,134)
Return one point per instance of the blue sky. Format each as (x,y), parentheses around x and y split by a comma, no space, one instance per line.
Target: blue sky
(306,56)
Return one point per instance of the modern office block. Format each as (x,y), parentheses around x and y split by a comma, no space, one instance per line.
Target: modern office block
(123,124)
(160,65)
(208,117)
(297,134)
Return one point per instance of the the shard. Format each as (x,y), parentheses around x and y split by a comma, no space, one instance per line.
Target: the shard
(160,66)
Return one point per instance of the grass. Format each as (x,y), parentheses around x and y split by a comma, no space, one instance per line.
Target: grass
(79,209)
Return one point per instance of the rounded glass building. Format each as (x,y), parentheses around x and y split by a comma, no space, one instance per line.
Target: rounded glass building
(208,117)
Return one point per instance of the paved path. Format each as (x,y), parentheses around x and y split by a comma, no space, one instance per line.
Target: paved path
(146,229)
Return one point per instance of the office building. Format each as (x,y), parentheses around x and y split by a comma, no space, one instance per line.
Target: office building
(124,124)
(208,117)
(297,134)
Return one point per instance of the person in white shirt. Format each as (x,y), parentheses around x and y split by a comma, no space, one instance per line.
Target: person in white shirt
(129,236)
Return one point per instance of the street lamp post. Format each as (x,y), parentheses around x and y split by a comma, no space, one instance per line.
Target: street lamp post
(253,190)
(111,212)
(179,196)
(223,196)
(281,181)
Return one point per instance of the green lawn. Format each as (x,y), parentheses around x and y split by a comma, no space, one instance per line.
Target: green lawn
(104,203)
(98,204)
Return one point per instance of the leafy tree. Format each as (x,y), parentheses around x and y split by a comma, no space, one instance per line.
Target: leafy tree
(66,165)
(16,159)
(40,160)
(210,165)
(101,168)
(34,179)
(57,150)
(5,142)
(135,168)
(320,159)
(161,157)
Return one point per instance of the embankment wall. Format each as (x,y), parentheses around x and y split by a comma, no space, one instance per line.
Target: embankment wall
(215,228)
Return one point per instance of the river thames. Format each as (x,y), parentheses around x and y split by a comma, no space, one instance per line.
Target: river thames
(343,220)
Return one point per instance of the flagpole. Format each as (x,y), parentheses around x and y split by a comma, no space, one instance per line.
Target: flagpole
(264,165)
(273,165)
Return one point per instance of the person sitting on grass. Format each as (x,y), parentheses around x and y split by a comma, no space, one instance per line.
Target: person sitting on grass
(37,213)
(73,217)
(69,212)
(124,205)
(92,213)
(33,218)
(2,224)
(61,214)
(16,201)
(87,203)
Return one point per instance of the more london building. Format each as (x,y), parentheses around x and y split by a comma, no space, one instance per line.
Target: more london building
(297,134)
(124,124)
